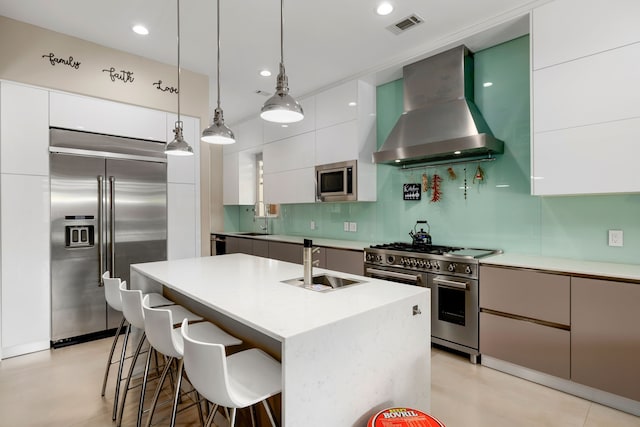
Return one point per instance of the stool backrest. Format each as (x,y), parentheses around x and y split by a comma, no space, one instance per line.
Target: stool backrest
(132,305)
(112,291)
(206,365)
(158,324)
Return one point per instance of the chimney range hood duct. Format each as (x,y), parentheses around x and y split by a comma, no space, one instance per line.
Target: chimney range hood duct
(440,117)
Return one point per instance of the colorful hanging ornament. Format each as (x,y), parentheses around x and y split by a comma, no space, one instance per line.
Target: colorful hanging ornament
(425,183)
(452,174)
(479,175)
(436,191)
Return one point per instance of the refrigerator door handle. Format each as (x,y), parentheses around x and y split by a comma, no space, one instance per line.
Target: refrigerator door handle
(112,223)
(100,230)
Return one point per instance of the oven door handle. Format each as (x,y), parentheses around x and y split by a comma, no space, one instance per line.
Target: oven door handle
(393,274)
(450,283)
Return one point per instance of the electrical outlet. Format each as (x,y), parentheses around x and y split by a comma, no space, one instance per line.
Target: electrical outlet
(312,225)
(346,226)
(616,238)
(353,227)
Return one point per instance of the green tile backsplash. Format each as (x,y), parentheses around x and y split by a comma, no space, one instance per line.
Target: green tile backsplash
(498,212)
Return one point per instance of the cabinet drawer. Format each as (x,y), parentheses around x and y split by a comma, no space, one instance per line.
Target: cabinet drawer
(346,261)
(261,248)
(532,294)
(527,344)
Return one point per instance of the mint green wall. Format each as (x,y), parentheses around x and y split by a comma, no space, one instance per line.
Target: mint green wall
(498,213)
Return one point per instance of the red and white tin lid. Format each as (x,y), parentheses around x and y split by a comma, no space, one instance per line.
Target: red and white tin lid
(403,417)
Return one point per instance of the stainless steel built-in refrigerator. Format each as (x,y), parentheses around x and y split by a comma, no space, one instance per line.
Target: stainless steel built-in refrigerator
(108,210)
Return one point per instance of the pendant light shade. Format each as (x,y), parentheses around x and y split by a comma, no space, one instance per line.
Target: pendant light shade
(281,107)
(218,132)
(178,147)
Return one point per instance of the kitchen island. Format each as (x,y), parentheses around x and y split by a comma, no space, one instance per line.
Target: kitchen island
(346,353)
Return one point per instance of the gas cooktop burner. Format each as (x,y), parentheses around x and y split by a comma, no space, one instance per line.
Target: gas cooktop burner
(417,248)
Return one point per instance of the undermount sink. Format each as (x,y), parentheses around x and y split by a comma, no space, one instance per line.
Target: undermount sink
(251,233)
(324,283)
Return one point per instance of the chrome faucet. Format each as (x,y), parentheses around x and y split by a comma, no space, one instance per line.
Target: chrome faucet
(308,263)
(265,227)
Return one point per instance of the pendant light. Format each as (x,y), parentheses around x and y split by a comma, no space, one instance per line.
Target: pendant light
(178,147)
(281,107)
(218,132)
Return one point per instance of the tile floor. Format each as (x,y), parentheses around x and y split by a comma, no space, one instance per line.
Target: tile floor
(62,388)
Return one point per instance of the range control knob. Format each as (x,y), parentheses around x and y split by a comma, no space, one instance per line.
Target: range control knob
(421,263)
(452,267)
(414,262)
(391,259)
(467,269)
(427,264)
(379,258)
(370,257)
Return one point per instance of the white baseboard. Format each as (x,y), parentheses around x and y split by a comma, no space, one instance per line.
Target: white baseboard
(19,350)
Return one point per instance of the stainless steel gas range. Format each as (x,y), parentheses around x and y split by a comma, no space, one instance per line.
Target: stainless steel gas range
(452,275)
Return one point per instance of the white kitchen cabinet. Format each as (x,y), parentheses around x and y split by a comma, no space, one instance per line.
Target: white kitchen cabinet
(26,309)
(182,221)
(278,131)
(337,105)
(294,186)
(569,29)
(24,133)
(296,152)
(337,143)
(596,89)
(184,169)
(113,118)
(239,178)
(594,159)
(585,105)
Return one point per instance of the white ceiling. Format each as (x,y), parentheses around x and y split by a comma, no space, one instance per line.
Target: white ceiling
(326,42)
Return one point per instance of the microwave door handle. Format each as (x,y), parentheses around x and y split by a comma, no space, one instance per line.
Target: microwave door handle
(318,196)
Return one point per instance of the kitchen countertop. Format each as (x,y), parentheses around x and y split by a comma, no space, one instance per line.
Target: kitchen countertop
(567,265)
(327,243)
(333,345)
(250,289)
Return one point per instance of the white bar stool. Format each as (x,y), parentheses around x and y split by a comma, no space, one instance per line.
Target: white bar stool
(114,300)
(132,310)
(238,381)
(166,339)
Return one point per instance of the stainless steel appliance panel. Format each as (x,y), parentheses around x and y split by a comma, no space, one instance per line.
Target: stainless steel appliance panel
(77,299)
(136,214)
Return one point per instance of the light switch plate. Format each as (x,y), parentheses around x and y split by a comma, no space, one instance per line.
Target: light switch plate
(353,227)
(312,225)
(616,238)
(346,226)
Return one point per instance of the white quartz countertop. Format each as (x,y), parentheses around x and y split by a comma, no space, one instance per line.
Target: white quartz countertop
(566,265)
(250,289)
(328,243)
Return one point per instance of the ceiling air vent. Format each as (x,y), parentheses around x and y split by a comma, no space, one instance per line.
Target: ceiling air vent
(405,24)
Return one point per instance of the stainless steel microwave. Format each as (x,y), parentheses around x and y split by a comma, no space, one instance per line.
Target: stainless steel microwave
(337,182)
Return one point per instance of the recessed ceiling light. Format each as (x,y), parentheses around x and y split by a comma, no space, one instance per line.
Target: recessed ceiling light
(140,29)
(265,73)
(384,8)
(352,104)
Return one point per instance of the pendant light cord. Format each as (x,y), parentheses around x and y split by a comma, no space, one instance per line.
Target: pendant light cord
(218,54)
(281,33)
(178,14)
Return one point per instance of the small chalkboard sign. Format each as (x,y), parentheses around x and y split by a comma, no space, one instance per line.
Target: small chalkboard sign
(411,191)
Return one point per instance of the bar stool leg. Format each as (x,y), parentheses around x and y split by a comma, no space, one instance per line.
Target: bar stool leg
(126,388)
(267,408)
(123,354)
(145,380)
(110,359)
(177,395)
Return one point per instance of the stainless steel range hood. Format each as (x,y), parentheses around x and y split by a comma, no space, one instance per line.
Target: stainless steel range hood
(440,121)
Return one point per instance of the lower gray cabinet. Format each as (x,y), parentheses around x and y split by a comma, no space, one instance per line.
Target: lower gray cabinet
(526,343)
(345,260)
(605,335)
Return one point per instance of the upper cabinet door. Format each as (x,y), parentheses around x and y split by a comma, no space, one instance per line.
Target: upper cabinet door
(248,135)
(292,153)
(276,131)
(100,116)
(569,29)
(24,130)
(337,105)
(184,169)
